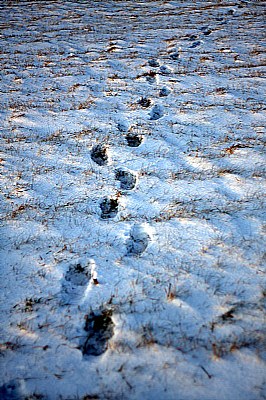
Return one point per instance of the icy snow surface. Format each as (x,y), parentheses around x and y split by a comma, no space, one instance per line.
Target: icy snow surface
(132,200)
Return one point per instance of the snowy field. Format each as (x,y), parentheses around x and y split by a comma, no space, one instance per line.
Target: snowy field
(132,200)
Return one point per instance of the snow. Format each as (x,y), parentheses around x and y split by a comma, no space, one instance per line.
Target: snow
(132,253)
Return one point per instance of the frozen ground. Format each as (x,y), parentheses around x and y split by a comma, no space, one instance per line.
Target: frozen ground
(132,183)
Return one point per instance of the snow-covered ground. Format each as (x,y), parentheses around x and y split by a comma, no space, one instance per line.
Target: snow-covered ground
(132,209)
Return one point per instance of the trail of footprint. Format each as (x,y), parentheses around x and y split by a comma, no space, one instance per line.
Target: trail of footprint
(126,178)
(109,208)
(99,327)
(99,154)
(138,240)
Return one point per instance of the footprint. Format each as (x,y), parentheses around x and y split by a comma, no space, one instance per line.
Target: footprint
(138,241)
(154,63)
(195,44)
(74,283)
(123,126)
(126,178)
(100,328)
(164,92)
(175,55)
(206,30)
(232,11)
(78,275)
(192,37)
(151,77)
(165,70)
(144,102)
(109,208)
(13,390)
(134,140)
(99,154)
(157,112)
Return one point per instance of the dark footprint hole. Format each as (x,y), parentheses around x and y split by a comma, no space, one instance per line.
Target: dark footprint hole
(78,275)
(109,208)
(123,126)
(154,63)
(99,154)
(144,102)
(11,391)
(100,329)
(192,37)
(151,76)
(156,112)
(205,30)
(164,92)
(134,140)
(195,44)
(175,55)
(127,179)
